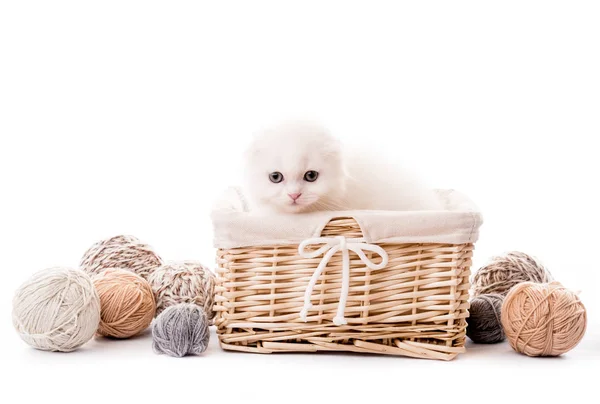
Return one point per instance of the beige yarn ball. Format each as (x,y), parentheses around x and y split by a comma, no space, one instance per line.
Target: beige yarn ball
(183,282)
(57,309)
(127,303)
(504,272)
(125,252)
(543,319)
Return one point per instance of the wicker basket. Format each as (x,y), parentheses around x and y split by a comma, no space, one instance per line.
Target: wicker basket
(410,301)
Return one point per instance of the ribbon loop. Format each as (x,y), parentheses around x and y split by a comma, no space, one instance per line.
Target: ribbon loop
(330,246)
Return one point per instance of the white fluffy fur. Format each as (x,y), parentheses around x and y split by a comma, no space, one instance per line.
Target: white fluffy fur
(348,179)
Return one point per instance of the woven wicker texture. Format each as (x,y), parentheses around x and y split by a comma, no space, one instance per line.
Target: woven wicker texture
(416,306)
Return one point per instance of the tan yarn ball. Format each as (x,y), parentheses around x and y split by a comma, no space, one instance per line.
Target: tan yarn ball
(57,309)
(125,252)
(543,319)
(183,282)
(504,272)
(126,301)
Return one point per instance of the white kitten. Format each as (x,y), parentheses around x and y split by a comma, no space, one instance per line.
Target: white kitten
(299,167)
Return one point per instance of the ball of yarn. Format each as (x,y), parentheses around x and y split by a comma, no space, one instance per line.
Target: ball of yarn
(504,272)
(543,319)
(56,309)
(183,282)
(126,302)
(180,330)
(484,325)
(124,252)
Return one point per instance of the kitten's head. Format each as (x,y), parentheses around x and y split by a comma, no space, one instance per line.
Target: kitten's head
(294,167)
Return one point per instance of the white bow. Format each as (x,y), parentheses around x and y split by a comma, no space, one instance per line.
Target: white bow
(330,246)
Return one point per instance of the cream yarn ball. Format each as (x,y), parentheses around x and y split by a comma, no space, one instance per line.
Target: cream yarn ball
(183,282)
(125,252)
(57,309)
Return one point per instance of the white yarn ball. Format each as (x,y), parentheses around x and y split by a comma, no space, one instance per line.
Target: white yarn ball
(57,309)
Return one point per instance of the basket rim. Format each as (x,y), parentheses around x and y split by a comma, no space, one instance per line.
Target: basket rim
(235,227)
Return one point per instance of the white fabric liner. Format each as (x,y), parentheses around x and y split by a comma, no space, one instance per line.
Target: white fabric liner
(235,226)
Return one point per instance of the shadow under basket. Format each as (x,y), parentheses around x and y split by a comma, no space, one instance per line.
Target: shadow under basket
(414,304)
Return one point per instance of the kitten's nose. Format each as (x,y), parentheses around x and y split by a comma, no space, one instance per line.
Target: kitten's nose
(295,196)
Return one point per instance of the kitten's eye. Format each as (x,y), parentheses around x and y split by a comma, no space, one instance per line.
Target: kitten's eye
(311,176)
(276,177)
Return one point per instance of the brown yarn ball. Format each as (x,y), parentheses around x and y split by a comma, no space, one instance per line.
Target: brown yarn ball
(504,272)
(484,325)
(125,252)
(127,304)
(183,282)
(543,319)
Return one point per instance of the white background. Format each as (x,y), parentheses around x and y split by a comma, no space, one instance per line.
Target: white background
(130,117)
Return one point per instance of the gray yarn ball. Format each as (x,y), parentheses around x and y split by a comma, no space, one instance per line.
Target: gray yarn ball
(484,325)
(181,330)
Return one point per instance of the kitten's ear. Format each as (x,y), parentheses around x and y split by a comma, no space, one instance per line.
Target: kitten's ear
(253,150)
(333,148)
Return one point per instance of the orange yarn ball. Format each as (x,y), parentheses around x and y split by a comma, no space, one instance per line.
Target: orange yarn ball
(543,319)
(127,303)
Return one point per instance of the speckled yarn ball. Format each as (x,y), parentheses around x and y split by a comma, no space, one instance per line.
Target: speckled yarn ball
(124,252)
(126,301)
(56,310)
(504,272)
(484,325)
(543,319)
(183,282)
(181,330)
